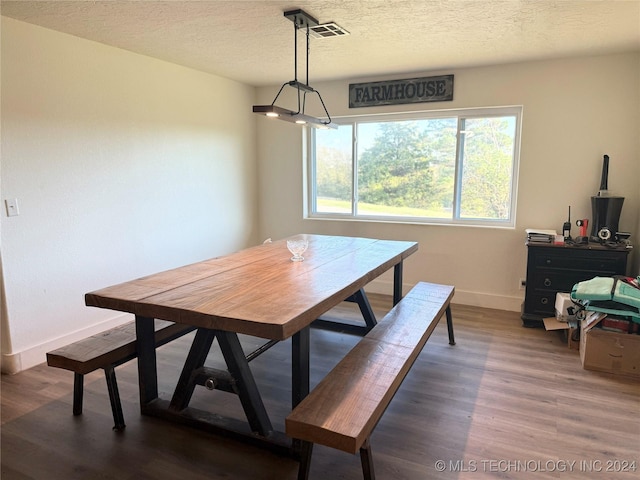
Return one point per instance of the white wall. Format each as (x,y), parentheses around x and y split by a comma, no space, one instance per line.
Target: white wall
(574,111)
(123,166)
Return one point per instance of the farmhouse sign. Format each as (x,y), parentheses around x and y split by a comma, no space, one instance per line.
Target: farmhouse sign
(396,92)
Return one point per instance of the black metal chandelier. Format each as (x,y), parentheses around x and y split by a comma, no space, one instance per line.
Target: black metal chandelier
(303,20)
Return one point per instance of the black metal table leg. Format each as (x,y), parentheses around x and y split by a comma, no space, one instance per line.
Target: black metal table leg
(452,340)
(365,308)
(397,283)
(247,388)
(300,366)
(147,369)
(195,359)
(305,461)
(300,343)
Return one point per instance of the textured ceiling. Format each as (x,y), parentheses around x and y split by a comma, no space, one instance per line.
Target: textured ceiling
(252,42)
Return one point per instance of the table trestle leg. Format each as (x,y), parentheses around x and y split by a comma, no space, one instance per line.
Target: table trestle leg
(300,366)
(361,299)
(238,379)
(397,283)
(300,382)
(195,360)
(247,389)
(147,368)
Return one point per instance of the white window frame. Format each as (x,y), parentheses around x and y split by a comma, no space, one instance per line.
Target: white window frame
(516,111)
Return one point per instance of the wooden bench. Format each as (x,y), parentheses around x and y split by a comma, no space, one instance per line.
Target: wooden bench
(107,350)
(342,411)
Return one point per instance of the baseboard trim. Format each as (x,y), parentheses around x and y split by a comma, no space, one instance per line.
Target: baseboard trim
(14,362)
(462,297)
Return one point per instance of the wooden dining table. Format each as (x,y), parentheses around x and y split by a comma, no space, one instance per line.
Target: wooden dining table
(259,292)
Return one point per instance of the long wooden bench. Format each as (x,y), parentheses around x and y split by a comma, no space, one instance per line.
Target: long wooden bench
(107,350)
(342,411)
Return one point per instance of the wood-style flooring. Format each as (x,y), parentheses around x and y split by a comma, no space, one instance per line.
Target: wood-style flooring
(504,402)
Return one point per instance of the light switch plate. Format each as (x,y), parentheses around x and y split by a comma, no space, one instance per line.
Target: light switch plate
(12,207)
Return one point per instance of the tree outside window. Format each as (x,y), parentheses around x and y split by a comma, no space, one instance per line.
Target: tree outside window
(429,168)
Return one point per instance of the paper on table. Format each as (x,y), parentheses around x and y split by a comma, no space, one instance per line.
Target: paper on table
(536,231)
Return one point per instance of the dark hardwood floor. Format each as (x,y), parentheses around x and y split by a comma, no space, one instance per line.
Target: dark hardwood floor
(505,402)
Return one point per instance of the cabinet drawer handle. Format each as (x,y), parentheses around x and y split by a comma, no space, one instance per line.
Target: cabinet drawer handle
(544,301)
(547,282)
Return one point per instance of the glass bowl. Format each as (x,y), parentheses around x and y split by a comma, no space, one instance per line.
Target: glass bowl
(297,248)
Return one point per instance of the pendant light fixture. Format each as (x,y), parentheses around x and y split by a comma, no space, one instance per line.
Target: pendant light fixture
(301,20)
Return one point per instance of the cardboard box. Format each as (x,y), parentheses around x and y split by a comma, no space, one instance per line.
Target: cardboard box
(565,308)
(607,351)
(569,330)
(552,323)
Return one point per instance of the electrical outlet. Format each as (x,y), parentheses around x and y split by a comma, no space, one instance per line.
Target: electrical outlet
(522,284)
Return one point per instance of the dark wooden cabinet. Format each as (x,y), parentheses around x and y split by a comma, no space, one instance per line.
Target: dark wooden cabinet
(557,268)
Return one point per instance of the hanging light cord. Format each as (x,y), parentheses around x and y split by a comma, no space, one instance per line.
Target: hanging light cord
(296,83)
(304,97)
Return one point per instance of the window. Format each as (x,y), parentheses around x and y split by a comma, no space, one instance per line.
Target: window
(454,167)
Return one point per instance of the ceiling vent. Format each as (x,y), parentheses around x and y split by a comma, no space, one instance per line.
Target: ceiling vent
(327,30)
